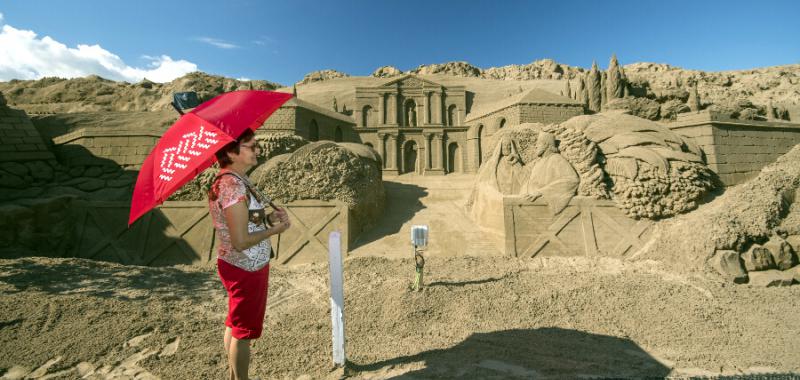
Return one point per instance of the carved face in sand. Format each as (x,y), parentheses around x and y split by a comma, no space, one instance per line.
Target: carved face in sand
(545,142)
(507,149)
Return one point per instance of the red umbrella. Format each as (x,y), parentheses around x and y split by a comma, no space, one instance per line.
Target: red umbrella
(189,146)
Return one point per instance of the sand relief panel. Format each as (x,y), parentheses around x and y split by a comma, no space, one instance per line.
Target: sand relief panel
(590,186)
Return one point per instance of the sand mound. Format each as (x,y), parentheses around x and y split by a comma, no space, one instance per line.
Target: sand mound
(327,171)
(745,214)
(93,93)
(654,172)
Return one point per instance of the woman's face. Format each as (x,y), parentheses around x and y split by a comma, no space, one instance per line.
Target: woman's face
(248,153)
(505,147)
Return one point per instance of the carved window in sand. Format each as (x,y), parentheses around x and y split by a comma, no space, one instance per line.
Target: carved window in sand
(366,114)
(313,131)
(480,142)
(501,123)
(452,115)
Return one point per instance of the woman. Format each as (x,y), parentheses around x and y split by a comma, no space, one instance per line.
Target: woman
(244,248)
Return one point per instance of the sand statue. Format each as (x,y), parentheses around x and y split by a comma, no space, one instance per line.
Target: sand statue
(551,176)
(411,117)
(581,94)
(547,175)
(593,87)
(502,174)
(614,83)
(508,173)
(694,99)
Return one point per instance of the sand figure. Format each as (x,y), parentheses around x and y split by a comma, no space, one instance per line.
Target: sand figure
(551,176)
(243,257)
(412,117)
(509,172)
(502,174)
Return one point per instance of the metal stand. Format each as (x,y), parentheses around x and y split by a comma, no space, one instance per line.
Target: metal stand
(419,260)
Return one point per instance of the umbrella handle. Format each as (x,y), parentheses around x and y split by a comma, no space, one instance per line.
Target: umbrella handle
(177,108)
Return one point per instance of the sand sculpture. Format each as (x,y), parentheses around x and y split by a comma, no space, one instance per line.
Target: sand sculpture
(551,176)
(329,171)
(752,225)
(649,171)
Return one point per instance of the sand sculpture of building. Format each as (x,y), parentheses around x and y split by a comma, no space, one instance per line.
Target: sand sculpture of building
(310,121)
(419,126)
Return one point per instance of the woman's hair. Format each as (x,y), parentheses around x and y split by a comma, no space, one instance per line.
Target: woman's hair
(233,147)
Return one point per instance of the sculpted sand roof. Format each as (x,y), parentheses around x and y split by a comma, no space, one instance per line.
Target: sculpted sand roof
(532,96)
(295,102)
(424,82)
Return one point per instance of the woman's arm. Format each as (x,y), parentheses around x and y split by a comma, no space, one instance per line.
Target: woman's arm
(236,217)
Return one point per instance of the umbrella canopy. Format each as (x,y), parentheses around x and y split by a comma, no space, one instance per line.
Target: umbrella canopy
(189,146)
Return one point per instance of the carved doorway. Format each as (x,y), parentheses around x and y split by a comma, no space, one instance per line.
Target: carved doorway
(410,158)
(453,158)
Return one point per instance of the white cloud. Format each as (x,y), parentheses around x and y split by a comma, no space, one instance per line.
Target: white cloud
(25,56)
(1,17)
(218,43)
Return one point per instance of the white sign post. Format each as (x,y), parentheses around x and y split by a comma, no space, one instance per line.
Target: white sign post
(337,296)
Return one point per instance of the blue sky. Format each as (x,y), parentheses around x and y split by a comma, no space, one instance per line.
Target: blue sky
(282,41)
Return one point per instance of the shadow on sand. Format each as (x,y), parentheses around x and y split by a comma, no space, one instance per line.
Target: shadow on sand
(99,279)
(402,203)
(530,353)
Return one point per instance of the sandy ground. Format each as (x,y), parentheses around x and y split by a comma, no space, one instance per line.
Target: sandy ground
(435,201)
(481,315)
(477,318)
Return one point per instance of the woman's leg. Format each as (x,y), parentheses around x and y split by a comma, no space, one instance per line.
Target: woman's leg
(227,341)
(239,358)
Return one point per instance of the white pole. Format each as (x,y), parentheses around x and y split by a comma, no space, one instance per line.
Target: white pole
(337,296)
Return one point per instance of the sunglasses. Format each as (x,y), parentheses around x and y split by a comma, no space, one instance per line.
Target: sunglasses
(253,147)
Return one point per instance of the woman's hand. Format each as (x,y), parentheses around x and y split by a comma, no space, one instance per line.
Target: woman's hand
(236,216)
(280,227)
(278,216)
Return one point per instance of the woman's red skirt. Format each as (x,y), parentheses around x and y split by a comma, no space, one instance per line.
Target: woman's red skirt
(247,299)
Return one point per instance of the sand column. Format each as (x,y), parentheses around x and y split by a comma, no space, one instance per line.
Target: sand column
(437,147)
(392,151)
(391,109)
(427,108)
(437,107)
(381,112)
(428,153)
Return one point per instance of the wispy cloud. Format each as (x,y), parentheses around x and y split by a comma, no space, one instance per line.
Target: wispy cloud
(1,17)
(23,55)
(222,44)
(264,40)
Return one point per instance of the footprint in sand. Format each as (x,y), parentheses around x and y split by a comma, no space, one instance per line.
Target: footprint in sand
(171,348)
(136,341)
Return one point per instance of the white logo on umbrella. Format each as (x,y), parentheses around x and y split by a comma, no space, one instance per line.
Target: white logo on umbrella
(192,144)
